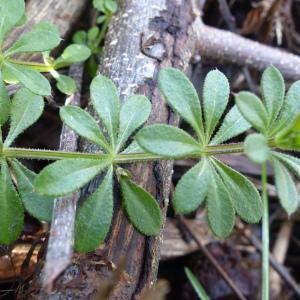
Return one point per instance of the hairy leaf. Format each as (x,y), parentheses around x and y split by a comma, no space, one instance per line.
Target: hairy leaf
(26,108)
(4,103)
(65,176)
(256,148)
(272,88)
(233,124)
(12,213)
(244,195)
(134,112)
(191,189)
(94,216)
(166,140)
(181,96)
(291,162)
(11,12)
(35,204)
(133,147)
(43,37)
(66,84)
(31,79)
(290,109)
(215,99)
(73,54)
(83,124)
(105,99)
(285,186)
(142,209)
(220,208)
(252,110)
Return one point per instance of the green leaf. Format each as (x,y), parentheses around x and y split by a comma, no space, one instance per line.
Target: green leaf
(273,89)
(43,37)
(35,204)
(233,124)
(286,188)
(290,109)
(198,288)
(12,213)
(142,209)
(26,108)
(83,124)
(72,54)
(4,103)
(99,5)
(66,84)
(111,6)
(181,95)
(252,110)
(244,195)
(80,37)
(11,12)
(101,19)
(31,79)
(134,112)
(256,148)
(220,210)
(215,99)
(93,33)
(106,102)
(191,189)
(134,147)
(68,175)
(291,162)
(289,138)
(94,216)
(167,141)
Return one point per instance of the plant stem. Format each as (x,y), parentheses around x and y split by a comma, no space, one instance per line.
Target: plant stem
(118,158)
(265,235)
(47,154)
(103,31)
(33,65)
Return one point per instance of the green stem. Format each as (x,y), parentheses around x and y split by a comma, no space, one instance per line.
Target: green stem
(118,158)
(32,65)
(265,235)
(48,154)
(103,31)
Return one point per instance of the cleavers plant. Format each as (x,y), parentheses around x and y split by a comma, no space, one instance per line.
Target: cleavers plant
(224,191)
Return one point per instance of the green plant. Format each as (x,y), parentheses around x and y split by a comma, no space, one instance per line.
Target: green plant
(94,36)
(277,121)
(197,286)
(224,191)
(41,39)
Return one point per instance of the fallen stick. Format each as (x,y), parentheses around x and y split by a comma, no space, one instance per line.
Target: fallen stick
(212,260)
(61,238)
(225,46)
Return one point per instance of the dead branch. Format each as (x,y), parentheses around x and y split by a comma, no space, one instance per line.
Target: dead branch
(212,260)
(60,244)
(225,46)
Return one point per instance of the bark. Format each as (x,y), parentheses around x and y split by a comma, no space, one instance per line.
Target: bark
(143,37)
